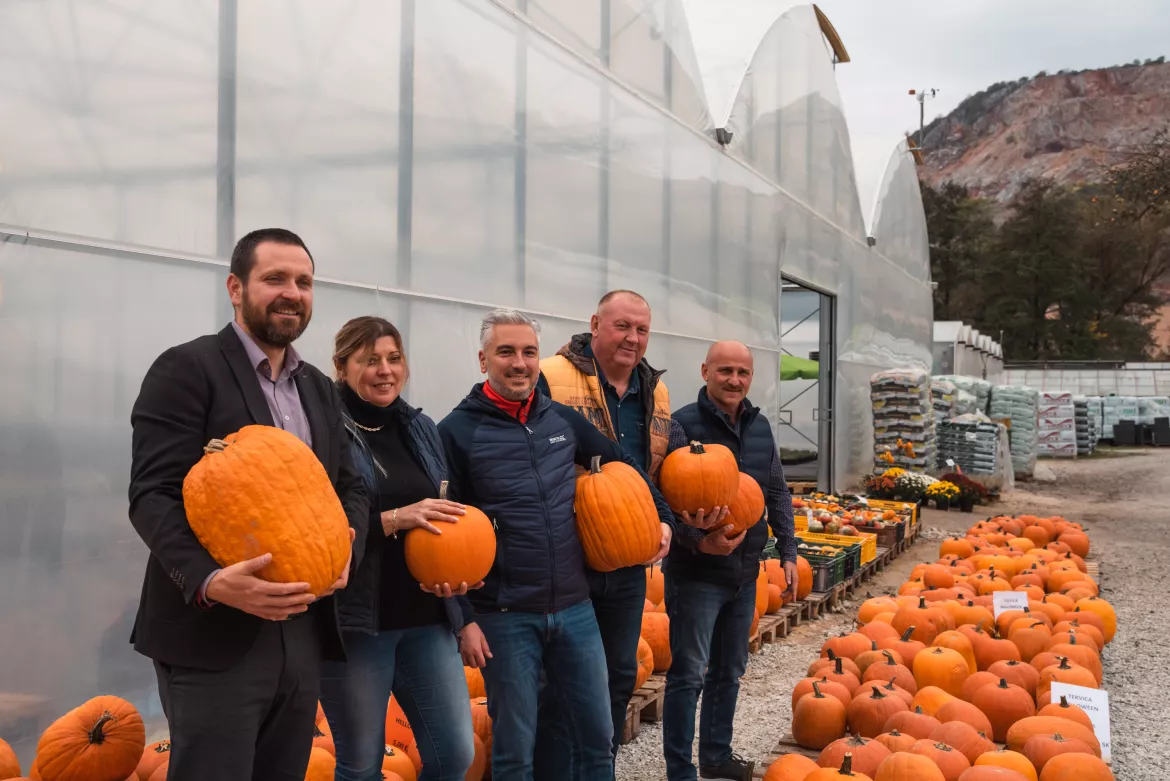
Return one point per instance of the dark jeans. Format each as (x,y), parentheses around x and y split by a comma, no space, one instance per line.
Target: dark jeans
(618,600)
(422,667)
(566,647)
(253,721)
(709,628)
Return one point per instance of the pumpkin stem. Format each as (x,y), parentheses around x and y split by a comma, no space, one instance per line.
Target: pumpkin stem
(1064,663)
(1063,701)
(889,657)
(817,691)
(443,490)
(918,710)
(877,694)
(697,447)
(847,764)
(922,603)
(895,734)
(840,666)
(1003,684)
(908,634)
(832,656)
(215,446)
(96,735)
(595,465)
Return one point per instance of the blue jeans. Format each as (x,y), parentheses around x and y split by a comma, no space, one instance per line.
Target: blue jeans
(618,598)
(709,628)
(422,667)
(566,647)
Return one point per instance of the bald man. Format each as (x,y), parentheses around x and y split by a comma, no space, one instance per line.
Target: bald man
(604,375)
(711,590)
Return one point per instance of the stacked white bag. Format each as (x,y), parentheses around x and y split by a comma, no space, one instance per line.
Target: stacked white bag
(1151,408)
(903,409)
(1119,408)
(1021,405)
(980,389)
(1056,432)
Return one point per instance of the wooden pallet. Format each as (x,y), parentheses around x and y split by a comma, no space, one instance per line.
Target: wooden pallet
(770,629)
(802,489)
(645,705)
(780,750)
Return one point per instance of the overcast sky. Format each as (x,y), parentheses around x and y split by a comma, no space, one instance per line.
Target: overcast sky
(962,46)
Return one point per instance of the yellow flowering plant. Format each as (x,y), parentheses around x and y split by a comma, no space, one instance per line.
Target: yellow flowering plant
(942,490)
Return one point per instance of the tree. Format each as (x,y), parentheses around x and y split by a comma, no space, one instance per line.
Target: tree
(960,230)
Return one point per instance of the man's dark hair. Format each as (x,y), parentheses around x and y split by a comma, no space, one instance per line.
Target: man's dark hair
(244,255)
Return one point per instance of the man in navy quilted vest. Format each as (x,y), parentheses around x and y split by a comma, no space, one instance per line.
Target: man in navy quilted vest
(711,589)
(512,453)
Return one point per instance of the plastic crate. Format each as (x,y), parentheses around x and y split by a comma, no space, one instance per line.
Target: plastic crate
(868,543)
(887,536)
(882,504)
(828,571)
(851,553)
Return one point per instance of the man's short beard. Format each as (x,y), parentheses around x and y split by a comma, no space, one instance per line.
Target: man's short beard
(261,327)
(507,392)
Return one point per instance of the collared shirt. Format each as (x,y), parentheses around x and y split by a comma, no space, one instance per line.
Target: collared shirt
(284,401)
(627,413)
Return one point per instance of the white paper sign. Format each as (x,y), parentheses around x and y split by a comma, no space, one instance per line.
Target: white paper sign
(1009,600)
(950,462)
(1095,703)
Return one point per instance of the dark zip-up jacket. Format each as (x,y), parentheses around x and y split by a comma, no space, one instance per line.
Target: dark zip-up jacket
(358,602)
(522,476)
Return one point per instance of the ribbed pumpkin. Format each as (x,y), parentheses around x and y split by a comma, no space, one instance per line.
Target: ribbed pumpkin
(836,773)
(1076,767)
(1004,704)
(848,645)
(262,490)
(747,508)
(1030,639)
(961,710)
(873,607)
(896,741)
(952,763)
(907,647)
(964,738)
(888,669)
(656,633)
(905,766)
(914,723)
(100,740)
(1081,654)
(1023,675)
(831,688)
(1063,672)
(817,720)
(870,710)
(1041,748)
(867,754)
(931,699)
(617,521)
(321,765)
(645,663)
(1010,760)
(699,477)
(974,682)
(829,662)
(943,668)
(927,622)
(989,773)
(775,599)
(1024,729)
(956,641)
(761,593)
(1065,710)
(9,764)
(804,577)
(791,767)
(1105,611)
(842,676)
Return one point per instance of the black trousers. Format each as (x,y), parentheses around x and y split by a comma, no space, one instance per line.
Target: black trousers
(252,722)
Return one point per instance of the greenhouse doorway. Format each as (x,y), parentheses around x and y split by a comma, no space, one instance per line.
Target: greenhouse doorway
(805,430)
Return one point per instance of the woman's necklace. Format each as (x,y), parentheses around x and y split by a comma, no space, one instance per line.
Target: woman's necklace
(367,428)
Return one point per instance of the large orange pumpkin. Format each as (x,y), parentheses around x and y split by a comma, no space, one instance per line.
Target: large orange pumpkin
(817,720)
(804,577)
(616,518)
(747,508)
(655,585)
(1076,767)
(101,740)
(645,664)
(395,760)
(463,553)
(790,767)
(656,633)
(9,765)
(699,477)
(262,490)
(904,766)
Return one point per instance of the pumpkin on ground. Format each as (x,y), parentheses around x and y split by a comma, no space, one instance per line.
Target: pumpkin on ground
(645,664)
(656,633)
(1064,710)
(943,668)
(775,598)
(991,773)
(617,520)
(747,508)
(804,577)
(463,553)
(836,773)
(395,760)
(817,720)
(761,593)
(1011,760)
(1040,749)
(867,754)
(1004,704)
(896,741)
(9,765)
(1076,767)
(100,740)
(790,767)
(905,766)
(952,763)
(699,477)
(870,711)
(262,490)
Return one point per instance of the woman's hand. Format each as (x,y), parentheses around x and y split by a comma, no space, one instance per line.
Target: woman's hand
(473,646)
(420,514)
(444,589)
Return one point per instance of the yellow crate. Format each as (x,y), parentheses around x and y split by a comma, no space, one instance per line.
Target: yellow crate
(868,542)
(882,504)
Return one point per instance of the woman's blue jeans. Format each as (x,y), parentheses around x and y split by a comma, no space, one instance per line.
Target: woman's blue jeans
(422,667)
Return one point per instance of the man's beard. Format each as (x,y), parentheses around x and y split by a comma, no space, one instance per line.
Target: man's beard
(509,393)
(263,323)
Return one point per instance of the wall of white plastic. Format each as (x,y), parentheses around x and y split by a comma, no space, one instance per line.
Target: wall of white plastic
(439,158)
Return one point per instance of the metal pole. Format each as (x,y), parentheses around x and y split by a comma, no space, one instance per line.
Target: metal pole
(225,146)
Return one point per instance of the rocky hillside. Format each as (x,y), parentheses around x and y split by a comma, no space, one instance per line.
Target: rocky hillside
(1067,127)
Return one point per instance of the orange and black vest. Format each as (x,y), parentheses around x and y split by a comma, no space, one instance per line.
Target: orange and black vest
(572,380)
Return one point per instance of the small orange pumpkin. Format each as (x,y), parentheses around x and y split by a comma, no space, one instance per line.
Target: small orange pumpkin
(100,740)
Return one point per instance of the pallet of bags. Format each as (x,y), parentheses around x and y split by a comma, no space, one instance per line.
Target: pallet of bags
(1056,428)
(1085,442)
(1150,408)
(971,442)
(903,420)
(1117,409)
(1096,419)
(1020,405)
(980,389)
(944,398)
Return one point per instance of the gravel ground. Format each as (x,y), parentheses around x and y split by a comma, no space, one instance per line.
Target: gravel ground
(1124,501)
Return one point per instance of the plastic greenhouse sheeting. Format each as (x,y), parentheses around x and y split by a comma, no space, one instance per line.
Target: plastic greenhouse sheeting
(793,368)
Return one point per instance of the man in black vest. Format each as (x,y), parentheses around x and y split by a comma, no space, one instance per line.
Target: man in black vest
(237,657)
(711,587)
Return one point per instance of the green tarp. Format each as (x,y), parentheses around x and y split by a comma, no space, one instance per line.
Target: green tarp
(793,368)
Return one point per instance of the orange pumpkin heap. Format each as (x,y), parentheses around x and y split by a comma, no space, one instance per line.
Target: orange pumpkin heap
(617,521)
(262,490)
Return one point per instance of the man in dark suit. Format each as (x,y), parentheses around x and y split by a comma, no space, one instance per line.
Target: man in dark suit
(237,657)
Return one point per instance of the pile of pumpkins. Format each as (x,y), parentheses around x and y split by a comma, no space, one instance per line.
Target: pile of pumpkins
(931,682)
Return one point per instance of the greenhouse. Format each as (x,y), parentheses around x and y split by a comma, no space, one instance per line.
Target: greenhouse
(439,158)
